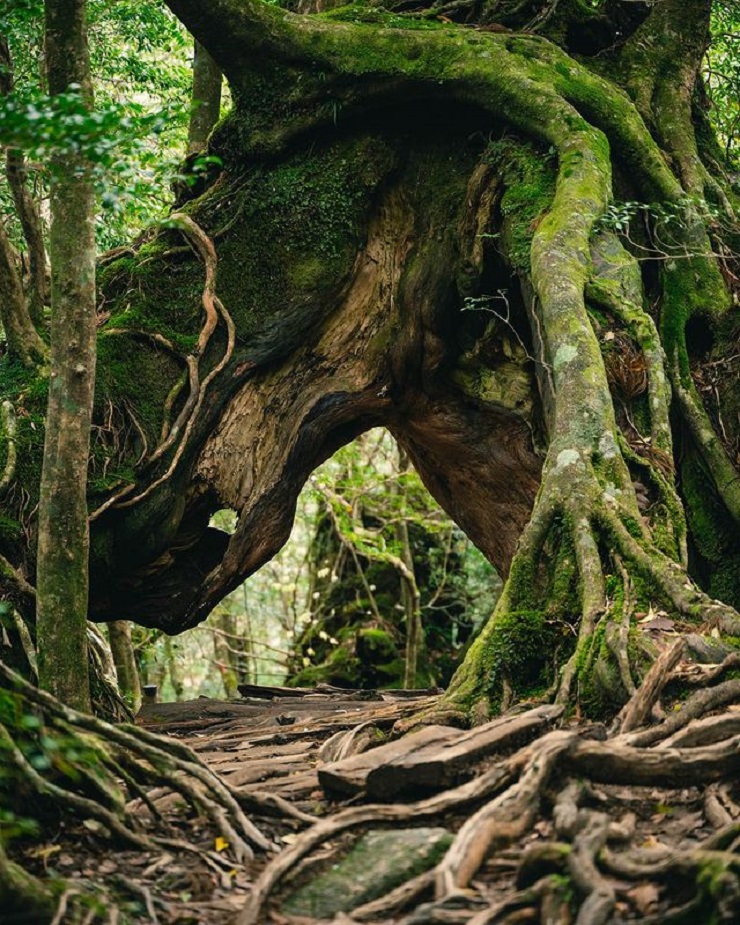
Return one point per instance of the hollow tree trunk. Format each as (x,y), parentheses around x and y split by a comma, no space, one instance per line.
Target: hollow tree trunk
(412,229)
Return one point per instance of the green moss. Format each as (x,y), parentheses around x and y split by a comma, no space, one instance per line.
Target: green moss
(593,659)
(529,176)
(361,14)
(692,287)
(563,598)
(139,373)
(712,531)
(520,645)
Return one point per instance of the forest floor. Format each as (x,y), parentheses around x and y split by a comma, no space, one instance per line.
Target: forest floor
(542,826)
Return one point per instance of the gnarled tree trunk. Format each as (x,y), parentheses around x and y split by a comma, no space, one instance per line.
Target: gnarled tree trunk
(414,227)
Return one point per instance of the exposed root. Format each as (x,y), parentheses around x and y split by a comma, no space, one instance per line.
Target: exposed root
(500,777)
(636,712)
(400,898)
(725,475)
(597,848)
(697,705)
(182,427)
(105,767)
(503,820)
(597,893)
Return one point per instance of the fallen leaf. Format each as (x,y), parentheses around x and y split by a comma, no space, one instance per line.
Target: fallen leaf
(644,897)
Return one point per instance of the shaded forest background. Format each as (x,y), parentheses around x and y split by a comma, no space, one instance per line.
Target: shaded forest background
(377,588)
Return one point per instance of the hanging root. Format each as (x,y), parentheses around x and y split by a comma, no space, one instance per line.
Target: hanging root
(103,772)
(181,429)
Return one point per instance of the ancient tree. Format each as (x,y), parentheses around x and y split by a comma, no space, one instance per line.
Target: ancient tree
(505,232)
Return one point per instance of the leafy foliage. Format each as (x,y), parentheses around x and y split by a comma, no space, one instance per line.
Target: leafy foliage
(134,137)
(722,74)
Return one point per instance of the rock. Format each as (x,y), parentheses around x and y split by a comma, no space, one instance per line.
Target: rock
(706,650)
(379,862)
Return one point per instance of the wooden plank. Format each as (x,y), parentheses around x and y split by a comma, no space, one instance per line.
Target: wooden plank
(349,776)
(440,765)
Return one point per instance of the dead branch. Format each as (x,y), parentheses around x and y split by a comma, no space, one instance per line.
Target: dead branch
(638,708)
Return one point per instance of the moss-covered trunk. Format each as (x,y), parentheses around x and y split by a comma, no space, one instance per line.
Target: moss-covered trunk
(63,538)
(420,225)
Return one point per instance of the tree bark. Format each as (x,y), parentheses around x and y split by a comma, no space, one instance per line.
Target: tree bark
(23,338)
(206,99)
(410,596)
(173,668)
(413,228)
(225,655)
(63,544)
(124,659)
(26,207)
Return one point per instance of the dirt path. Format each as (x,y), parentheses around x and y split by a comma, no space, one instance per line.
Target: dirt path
(548,821)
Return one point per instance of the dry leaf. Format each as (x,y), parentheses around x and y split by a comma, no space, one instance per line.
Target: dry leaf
(644,897)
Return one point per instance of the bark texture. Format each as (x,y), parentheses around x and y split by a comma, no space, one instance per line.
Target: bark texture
(413,227)
(63,538)
(206,99)
(124,659)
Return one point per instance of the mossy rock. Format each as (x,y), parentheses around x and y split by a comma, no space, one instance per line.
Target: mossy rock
(379,862)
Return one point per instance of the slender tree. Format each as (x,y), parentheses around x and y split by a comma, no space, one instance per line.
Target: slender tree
(21,314)
(63,544)
(124,658)
(206,98)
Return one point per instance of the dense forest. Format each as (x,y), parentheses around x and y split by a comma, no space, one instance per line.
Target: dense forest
(387,354)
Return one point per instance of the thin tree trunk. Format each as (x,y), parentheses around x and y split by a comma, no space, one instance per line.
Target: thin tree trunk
(63,544)
(222,643)
(238,648)
(173,668)
(248,670)
(23,338)
(410,597)
(125,662)
(25,206)
(206,99)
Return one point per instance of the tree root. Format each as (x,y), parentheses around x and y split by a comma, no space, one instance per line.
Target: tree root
(102,772)
(596,841)
(637,710)
(573,525)
(181,429)
(477,789)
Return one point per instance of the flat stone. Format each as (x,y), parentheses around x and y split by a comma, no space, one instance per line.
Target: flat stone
(379,862)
